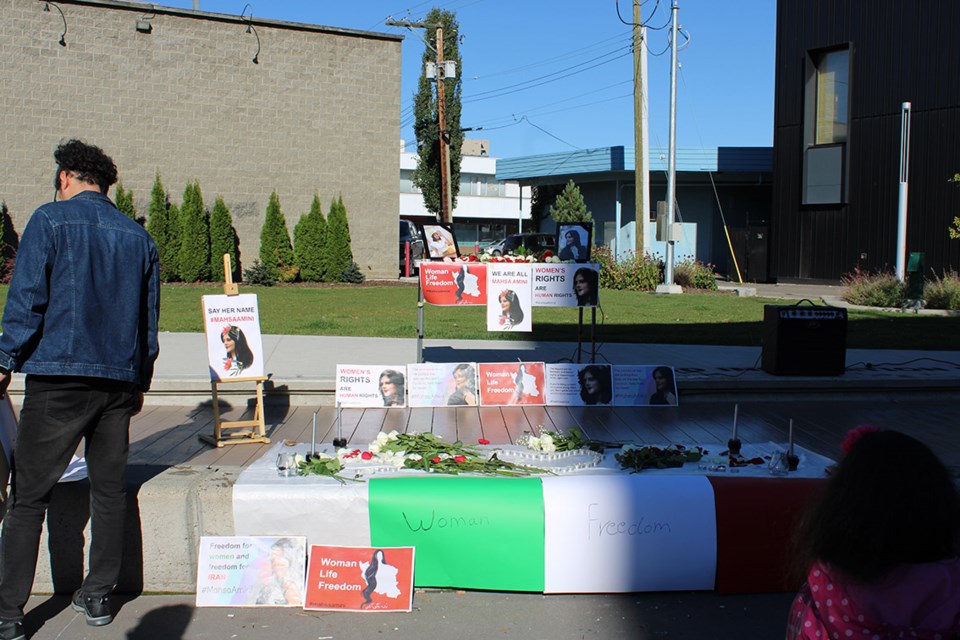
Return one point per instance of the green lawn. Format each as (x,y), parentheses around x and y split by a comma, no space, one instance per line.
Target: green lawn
(691,318)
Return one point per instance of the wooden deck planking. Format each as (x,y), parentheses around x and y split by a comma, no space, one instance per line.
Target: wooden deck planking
(492,425)
(369,425)
(177,445)
(168,435)
(445,423)
(469,429)
(421,420)
(516,422)
(396,420)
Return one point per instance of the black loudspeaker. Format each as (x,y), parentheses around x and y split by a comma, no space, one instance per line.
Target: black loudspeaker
(804,340)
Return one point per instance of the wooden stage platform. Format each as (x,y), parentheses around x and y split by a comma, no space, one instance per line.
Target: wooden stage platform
(168,436)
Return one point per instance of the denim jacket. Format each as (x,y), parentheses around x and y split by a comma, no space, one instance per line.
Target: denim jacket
(85,295)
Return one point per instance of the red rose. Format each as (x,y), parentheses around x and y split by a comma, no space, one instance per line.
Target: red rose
(436,460)
(366,455)
(460,458)
(483,441)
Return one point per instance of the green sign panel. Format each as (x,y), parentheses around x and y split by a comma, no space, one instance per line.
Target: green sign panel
(473,533)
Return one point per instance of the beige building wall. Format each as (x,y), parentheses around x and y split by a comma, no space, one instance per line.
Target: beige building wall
(318,114)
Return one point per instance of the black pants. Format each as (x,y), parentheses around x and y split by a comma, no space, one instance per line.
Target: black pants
(57,412)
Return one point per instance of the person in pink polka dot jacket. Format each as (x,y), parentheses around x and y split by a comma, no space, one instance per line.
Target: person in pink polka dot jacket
(880,549)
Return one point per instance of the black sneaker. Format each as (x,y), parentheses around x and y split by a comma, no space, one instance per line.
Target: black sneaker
(94,607)
(11,631)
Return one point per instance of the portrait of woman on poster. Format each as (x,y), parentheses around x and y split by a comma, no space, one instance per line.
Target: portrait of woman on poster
(572,247)
(239,356)
(392,388)
(465,386)
(380,578)
(441,244)
(585,284)
(596,386)
(524,387)
(510,312)
(666,388)
(278,588)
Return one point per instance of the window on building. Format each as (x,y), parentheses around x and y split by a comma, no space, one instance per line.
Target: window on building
(833,90)
(825,123)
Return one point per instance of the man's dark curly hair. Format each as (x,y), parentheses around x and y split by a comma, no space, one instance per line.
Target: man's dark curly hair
(87,162)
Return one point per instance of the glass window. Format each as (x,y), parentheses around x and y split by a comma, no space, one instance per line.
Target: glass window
(833,91)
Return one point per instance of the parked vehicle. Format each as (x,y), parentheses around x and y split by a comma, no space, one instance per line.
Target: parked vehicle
(409,234)
(532,242)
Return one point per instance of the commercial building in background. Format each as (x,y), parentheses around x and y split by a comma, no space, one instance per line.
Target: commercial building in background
(244,106)
(487,209)
(844,68)
(721,192)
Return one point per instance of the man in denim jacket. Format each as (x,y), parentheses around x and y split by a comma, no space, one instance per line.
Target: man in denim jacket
(81,321)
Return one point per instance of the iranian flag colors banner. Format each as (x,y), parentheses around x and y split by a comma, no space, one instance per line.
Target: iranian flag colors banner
(473,533)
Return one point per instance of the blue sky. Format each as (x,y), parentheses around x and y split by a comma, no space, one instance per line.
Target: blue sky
(552,76)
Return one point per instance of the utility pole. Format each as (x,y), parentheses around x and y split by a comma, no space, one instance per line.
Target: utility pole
(640,131)
(445,195)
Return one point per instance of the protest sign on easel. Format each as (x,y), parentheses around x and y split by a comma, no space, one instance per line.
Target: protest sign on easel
(235,354)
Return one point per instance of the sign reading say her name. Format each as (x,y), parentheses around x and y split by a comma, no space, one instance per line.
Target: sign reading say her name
(232,325)
(360,579)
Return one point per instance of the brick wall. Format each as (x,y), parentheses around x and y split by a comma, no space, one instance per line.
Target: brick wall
(318,114)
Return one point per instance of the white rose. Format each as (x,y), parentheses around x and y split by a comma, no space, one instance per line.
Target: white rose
(382,438)
(393,435)
(548,446)
(414,456)
(534,443)
(374,447)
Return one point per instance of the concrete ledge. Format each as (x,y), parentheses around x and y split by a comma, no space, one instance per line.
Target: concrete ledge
(168,510)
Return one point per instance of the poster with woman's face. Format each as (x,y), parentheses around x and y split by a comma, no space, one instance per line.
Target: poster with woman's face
(644,385)
(440,240)
(442,384)
(566,285)
(360,385)
(573,241)
(579,384)
(234,344)
(509,297)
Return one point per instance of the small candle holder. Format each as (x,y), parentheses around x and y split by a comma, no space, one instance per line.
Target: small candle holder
(733,445)
(286,465)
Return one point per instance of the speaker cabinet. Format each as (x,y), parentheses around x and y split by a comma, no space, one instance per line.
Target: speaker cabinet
(804,340)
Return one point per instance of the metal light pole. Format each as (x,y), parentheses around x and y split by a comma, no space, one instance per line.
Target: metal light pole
(668,286)
(902,203)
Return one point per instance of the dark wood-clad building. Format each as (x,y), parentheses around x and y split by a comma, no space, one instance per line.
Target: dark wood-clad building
(844,67)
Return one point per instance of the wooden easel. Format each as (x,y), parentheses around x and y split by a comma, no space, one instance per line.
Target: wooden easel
(248,431)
